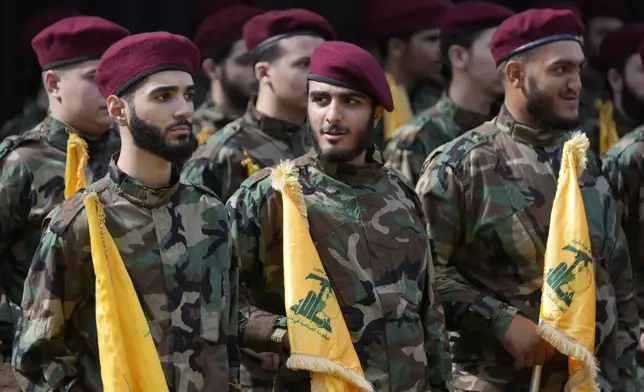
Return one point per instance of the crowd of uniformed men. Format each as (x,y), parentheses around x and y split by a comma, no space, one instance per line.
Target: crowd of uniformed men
(429,166)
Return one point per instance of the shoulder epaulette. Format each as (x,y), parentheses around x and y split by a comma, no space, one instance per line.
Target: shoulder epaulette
(453,152)
(12,142)
(64,215)
(201,188)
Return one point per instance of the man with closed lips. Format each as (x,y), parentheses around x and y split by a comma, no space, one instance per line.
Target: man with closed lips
(33,163)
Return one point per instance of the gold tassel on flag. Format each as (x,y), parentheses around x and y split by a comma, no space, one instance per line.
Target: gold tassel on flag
(77,158)
(203,135)
(567,318)
(607,129)
(128,358)
(318,336)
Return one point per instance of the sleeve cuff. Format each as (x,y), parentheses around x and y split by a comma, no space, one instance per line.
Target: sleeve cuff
(265,334)
(502,319)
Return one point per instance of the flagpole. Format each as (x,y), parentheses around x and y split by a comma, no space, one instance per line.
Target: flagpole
(535,383)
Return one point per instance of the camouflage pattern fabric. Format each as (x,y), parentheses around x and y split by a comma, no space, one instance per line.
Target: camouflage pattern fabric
(488,197)
(369,231)
(413,142)
(623,166)
(244,146)
(623,125)
(31,116)
(208,119)
(32,173)
(174,242)
(425,96)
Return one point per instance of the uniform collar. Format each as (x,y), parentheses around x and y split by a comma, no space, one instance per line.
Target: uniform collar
(347,172)
(137,193)
(57,133)
(215,115)
(272,126)
(464,118)
(505,122)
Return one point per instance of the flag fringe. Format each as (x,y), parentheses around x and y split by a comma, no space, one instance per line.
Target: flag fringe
(577,147)
(571,348)
(317,364)
(285,180)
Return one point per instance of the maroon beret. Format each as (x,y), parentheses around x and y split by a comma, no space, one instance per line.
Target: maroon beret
(560,5)
(346,65)
(603,8)
(75,39)
(390,17)
(620,44)
(39,21)
(270,27)
(535,27)
(138,56)
(224,26)
(473,14)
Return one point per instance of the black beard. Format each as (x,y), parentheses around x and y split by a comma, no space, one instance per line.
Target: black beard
(151,138)
(234,93)
(633,105)
(341,155)
(539,106)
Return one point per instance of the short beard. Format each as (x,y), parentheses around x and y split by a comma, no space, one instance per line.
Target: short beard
(341,155)
(151,138)
(539,106)
(233,92)
(633,105)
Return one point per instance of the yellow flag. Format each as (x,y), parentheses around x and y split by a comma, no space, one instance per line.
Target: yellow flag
(402,109)
(607,129)
(77,158)
(319,337)
(129,360)
(203,135)
(567,319)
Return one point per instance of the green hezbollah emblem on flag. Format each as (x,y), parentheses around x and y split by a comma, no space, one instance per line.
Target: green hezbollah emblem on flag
(312,307)
(563,278)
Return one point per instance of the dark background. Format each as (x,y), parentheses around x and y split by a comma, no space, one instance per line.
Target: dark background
(169,15)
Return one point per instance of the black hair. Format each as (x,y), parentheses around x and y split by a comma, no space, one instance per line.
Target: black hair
(220,53)
(464,38)
(268,54)
(382,44)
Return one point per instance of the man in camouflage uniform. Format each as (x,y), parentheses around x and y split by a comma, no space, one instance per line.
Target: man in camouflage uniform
(281,43)
(488,198)
(625,84)
(33,164)
(35,109)
(407,42)
(368,229)
(466,33)
(172,236)
(600,18)
(624,168)
(227,64)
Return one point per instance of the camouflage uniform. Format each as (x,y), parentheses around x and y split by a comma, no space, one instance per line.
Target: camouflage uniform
(623,167)
(425,96)
(208,119)
(31,116)
(368,228)
(488,197)
(623,125)
(244,146)
(413,142)
(32,174)
(174,242)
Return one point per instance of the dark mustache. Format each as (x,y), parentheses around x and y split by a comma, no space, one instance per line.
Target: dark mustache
(179,124)
(335,127)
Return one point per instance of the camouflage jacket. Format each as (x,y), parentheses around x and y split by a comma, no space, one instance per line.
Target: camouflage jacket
(32,173)
(368,228)
(624,169)
(413,142)
(31,116)
(244,146)
(623,125)
(208,119)
(174,242)
(425,96)
(488,197)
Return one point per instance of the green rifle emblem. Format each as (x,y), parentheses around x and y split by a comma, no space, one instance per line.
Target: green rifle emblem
(561,279)
(312,307)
